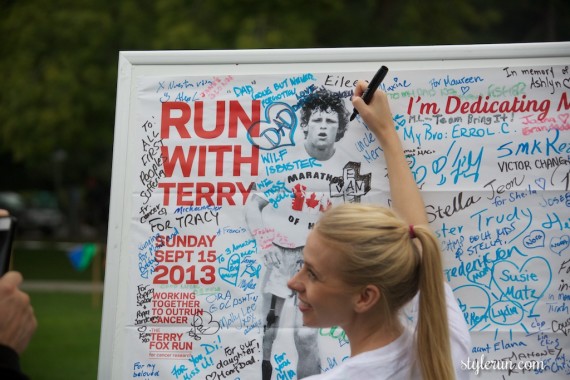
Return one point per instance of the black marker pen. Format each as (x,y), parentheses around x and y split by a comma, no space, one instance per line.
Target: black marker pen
(372,86)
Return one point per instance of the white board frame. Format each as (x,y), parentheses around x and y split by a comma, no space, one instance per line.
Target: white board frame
(134,63)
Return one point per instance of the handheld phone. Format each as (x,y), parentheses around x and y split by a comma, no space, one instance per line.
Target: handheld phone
(7,232)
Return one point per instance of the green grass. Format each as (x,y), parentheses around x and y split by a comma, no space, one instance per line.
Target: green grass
(66,343)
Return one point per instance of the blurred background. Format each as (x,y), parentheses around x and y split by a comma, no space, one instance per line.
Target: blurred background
(58,65)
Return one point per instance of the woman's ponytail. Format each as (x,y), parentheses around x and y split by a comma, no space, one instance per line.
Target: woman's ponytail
(433,343)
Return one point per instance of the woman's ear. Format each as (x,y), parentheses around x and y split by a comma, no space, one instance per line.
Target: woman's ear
(367,298)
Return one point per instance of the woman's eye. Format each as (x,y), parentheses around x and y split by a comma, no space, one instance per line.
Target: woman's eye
(311,274)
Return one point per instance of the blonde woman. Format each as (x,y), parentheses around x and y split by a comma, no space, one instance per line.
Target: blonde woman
(363,263)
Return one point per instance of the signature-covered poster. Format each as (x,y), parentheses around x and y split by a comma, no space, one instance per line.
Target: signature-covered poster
(231,171)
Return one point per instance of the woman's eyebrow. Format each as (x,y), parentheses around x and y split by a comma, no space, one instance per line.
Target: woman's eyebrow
(310,266)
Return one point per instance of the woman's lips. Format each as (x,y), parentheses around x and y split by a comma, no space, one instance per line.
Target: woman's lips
(303,306)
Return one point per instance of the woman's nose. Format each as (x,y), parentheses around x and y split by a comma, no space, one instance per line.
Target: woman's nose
(293,282)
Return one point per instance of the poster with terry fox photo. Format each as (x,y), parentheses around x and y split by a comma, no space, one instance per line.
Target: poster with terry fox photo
(230,172)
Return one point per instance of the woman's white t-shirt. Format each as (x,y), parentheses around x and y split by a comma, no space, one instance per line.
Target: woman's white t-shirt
(397,360)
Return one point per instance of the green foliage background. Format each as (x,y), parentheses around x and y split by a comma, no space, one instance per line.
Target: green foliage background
(58,77)
(58,58)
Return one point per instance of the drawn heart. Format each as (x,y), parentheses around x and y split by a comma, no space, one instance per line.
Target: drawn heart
(534,239)
(474,303)
(230,273)
(557,245)
(277,129)
(564,118)
(540,182)
(526,284)
(482,276)
(464,89)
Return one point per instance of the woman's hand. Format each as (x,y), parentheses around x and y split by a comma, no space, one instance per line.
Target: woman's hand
(376,114)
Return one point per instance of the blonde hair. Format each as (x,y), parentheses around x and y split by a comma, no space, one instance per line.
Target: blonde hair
(379,249)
